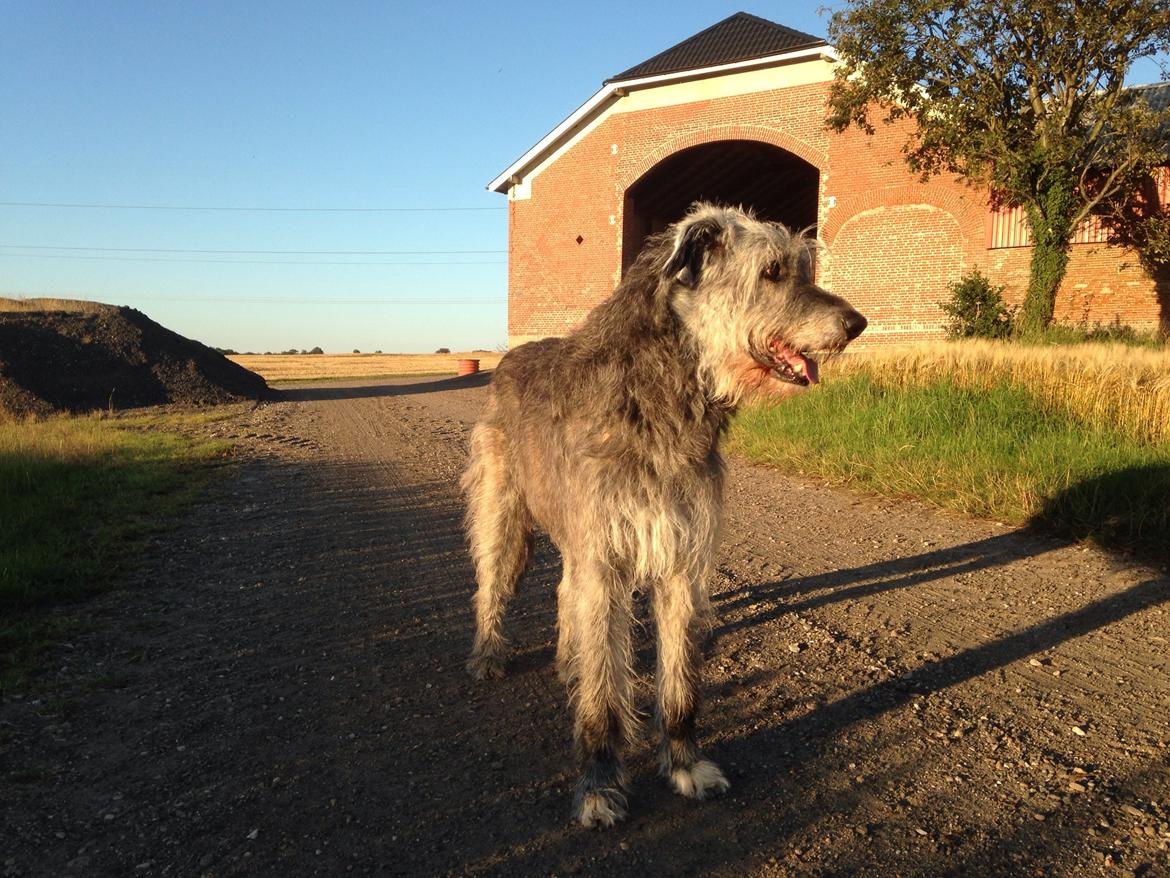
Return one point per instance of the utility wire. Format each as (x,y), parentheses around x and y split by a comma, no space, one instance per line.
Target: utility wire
(248,209)
(297,300)
(243,261)
(267,300)
(257,252)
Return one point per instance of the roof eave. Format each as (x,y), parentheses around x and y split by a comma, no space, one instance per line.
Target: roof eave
(610,90)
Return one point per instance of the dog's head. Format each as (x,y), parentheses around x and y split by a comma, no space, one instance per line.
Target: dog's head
(744,291)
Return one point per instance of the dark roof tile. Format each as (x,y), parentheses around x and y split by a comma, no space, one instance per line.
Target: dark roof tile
(1157,96)
(740,37)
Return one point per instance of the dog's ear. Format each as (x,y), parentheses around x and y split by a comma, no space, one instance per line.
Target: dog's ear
(694,240)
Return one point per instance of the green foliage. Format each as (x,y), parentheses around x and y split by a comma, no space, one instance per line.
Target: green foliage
(77,497)
(1108,333)
(74,492)
(1148,232)
(977,309)
(443,351)
(1028,99)
(996,454)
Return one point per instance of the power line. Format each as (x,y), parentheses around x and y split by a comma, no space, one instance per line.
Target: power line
(252,261)
(287,300)
(233,208)
(257,252)
(309,300)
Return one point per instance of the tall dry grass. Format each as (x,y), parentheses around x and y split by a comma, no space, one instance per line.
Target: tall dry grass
(74,306)
(1106,386)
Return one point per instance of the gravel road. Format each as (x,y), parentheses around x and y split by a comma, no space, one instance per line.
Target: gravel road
(892,690)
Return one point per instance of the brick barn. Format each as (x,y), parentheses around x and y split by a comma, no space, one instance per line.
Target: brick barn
(736,114)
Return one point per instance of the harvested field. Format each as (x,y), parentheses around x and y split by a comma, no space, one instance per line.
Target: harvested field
(306,367)
(893,690)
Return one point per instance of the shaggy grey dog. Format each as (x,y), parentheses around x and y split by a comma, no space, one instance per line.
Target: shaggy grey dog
(608,439)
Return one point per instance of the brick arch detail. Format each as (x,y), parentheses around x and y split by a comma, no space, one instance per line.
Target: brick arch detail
(894,263)
(968,215)
(681,140)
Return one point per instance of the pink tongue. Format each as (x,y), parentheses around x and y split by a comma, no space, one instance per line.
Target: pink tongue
(810,367)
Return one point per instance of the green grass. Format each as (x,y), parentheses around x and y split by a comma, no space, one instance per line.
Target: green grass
(78,495)
(1107,333)
(990,453)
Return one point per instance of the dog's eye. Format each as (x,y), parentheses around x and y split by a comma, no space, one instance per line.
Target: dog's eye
(774,271)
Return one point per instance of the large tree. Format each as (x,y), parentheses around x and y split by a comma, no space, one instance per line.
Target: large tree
(1027,98)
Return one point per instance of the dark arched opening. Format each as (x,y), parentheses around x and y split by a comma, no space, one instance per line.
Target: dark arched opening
(777,185)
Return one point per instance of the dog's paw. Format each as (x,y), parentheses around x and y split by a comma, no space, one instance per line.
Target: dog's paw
(700,780)
(603,807)
(485,667)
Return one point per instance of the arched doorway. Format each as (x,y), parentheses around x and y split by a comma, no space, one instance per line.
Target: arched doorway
(777,185)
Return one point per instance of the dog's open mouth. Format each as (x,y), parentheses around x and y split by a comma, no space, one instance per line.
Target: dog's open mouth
(790,365)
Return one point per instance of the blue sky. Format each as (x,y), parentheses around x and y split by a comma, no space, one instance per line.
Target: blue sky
(292,105)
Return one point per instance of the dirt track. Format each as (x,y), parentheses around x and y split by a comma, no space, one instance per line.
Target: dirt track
(892,690)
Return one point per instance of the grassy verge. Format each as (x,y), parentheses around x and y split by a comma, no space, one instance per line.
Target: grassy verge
(78,495)
(1109,333)
(974,439)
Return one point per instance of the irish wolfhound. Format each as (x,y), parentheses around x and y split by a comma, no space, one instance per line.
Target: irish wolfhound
(608,439)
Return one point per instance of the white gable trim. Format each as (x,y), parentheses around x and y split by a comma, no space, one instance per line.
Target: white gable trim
(614,91)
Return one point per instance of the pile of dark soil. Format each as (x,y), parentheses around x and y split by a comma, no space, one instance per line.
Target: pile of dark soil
(77,357)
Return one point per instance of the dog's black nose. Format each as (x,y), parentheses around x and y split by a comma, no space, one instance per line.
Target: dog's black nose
(854,324)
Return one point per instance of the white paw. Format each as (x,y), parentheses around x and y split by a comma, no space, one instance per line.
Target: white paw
(601,808)
(702,779)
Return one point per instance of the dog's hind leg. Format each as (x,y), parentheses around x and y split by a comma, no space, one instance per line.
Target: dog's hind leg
(499,531)
(601,607)
(566,645)
(678,602)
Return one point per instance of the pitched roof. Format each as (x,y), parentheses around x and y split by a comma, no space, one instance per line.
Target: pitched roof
(1157,94)
(740,37)
(1158,97)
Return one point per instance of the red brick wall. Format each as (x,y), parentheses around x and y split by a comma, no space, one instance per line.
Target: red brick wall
(1104,285)
(894,242)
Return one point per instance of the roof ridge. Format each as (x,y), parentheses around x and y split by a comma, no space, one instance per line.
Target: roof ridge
(721,43)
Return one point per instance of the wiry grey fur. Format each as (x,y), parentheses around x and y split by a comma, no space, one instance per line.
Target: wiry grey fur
(608,439)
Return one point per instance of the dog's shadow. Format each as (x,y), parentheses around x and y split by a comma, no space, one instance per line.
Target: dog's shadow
(773,761)
(770,600)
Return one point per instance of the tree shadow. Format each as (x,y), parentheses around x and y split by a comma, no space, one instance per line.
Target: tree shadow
(1125,509)
(382,388)
(771,600)
(1161,277)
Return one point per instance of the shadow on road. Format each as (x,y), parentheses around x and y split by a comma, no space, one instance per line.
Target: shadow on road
(783,794)
(779,597)
(1124,509)
(390,387)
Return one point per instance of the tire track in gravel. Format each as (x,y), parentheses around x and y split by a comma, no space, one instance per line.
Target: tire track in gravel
(892,689)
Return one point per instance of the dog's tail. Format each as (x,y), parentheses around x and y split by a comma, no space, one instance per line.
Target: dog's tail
(499,534)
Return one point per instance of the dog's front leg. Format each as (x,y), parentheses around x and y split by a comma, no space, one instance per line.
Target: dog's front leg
(601,605)
(676,603)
